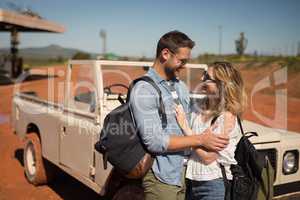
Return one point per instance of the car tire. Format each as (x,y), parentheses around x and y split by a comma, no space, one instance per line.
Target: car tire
(37,170)
(132,192)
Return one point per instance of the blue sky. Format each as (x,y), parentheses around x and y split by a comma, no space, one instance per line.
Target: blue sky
(134,26)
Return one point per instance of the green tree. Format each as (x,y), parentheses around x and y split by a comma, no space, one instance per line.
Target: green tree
(81,56)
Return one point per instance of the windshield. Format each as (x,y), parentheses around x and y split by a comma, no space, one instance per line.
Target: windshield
(116,79)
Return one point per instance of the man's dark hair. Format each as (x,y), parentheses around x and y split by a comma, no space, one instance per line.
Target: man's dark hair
(172,41)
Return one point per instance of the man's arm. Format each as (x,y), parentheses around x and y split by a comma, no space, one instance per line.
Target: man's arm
(207,139)
(144,104)
(228,153)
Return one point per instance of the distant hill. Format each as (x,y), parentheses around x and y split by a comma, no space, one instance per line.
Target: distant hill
(48,52)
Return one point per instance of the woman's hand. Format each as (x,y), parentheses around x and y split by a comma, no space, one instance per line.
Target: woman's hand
(181,119)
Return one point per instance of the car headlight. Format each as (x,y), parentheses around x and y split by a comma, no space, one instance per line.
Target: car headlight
(290,162)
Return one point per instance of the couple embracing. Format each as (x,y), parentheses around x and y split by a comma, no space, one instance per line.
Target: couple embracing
(198,139)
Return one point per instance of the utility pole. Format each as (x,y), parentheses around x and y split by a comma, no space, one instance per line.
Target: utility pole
(103,36)
(298,50)
(14,42)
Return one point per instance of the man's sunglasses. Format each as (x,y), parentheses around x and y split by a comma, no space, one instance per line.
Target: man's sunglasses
(182,61)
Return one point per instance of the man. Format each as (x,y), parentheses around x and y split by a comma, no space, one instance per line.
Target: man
(166,178)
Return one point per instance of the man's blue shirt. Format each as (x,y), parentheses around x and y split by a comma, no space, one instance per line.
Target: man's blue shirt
(144,102)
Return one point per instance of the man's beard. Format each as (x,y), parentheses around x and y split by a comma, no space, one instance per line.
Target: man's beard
(171,72)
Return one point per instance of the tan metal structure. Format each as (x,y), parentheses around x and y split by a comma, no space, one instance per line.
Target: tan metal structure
(14,23)
(11,20)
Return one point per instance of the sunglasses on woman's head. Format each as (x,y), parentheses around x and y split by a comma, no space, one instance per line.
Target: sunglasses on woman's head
(206,77)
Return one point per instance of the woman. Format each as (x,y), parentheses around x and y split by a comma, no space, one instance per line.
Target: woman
(226,100)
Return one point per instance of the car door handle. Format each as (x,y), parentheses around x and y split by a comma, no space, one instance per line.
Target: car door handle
(63,131)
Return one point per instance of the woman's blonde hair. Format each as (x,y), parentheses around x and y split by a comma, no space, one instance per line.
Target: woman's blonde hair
(231,88)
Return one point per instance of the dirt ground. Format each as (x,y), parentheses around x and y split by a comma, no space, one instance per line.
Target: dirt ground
(13,184)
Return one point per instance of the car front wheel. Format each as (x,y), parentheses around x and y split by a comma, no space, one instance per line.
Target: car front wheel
(37,169)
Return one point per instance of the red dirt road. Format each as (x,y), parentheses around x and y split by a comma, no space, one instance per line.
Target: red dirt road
(13,184)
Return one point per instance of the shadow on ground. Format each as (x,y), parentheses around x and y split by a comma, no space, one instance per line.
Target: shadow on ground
(64,185)
(5,80)
(19,156)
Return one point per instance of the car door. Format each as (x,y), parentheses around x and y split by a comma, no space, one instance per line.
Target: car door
(78,124)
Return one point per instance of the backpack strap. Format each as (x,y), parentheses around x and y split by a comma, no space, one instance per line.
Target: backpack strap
(214,120)
(240,125)
(225,180)
(268,177)
(161,109)
(247,134)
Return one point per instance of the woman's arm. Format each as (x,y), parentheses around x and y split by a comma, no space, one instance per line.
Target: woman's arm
(209,138)
(207,157)
(182,121)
